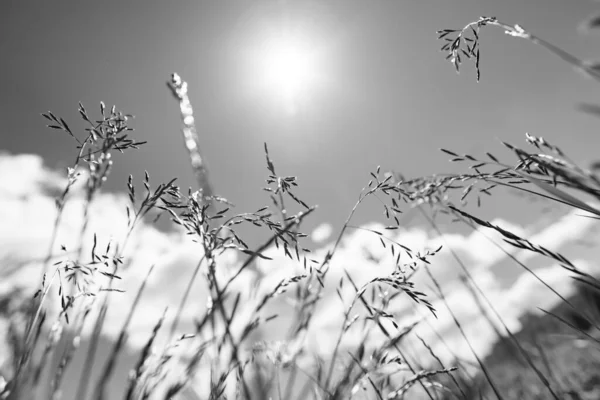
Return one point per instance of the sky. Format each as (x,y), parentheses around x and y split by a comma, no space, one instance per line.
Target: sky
(381,93)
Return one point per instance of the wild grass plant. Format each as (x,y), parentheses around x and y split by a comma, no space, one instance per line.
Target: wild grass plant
(230,353)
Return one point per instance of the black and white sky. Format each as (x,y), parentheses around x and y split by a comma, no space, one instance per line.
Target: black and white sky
(377,90)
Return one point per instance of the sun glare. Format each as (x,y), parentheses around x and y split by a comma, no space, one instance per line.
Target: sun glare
(288,67)
(284,59)
(288,70)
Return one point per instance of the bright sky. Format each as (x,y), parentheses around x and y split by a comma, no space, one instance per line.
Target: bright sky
(373,90)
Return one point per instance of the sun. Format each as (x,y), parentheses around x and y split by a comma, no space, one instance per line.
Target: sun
(285,58)
(288,69)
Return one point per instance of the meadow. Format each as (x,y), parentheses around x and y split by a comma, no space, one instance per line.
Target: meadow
(369,312)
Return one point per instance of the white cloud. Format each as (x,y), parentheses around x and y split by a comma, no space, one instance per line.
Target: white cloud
(31,178)
(28,212)
(321,233)
(564,231)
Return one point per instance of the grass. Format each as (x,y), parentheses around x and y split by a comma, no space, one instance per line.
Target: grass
(370,355)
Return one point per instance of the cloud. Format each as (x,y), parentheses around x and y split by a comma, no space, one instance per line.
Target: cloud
(32,178)
(28,212)
(509,303)
(321,233)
